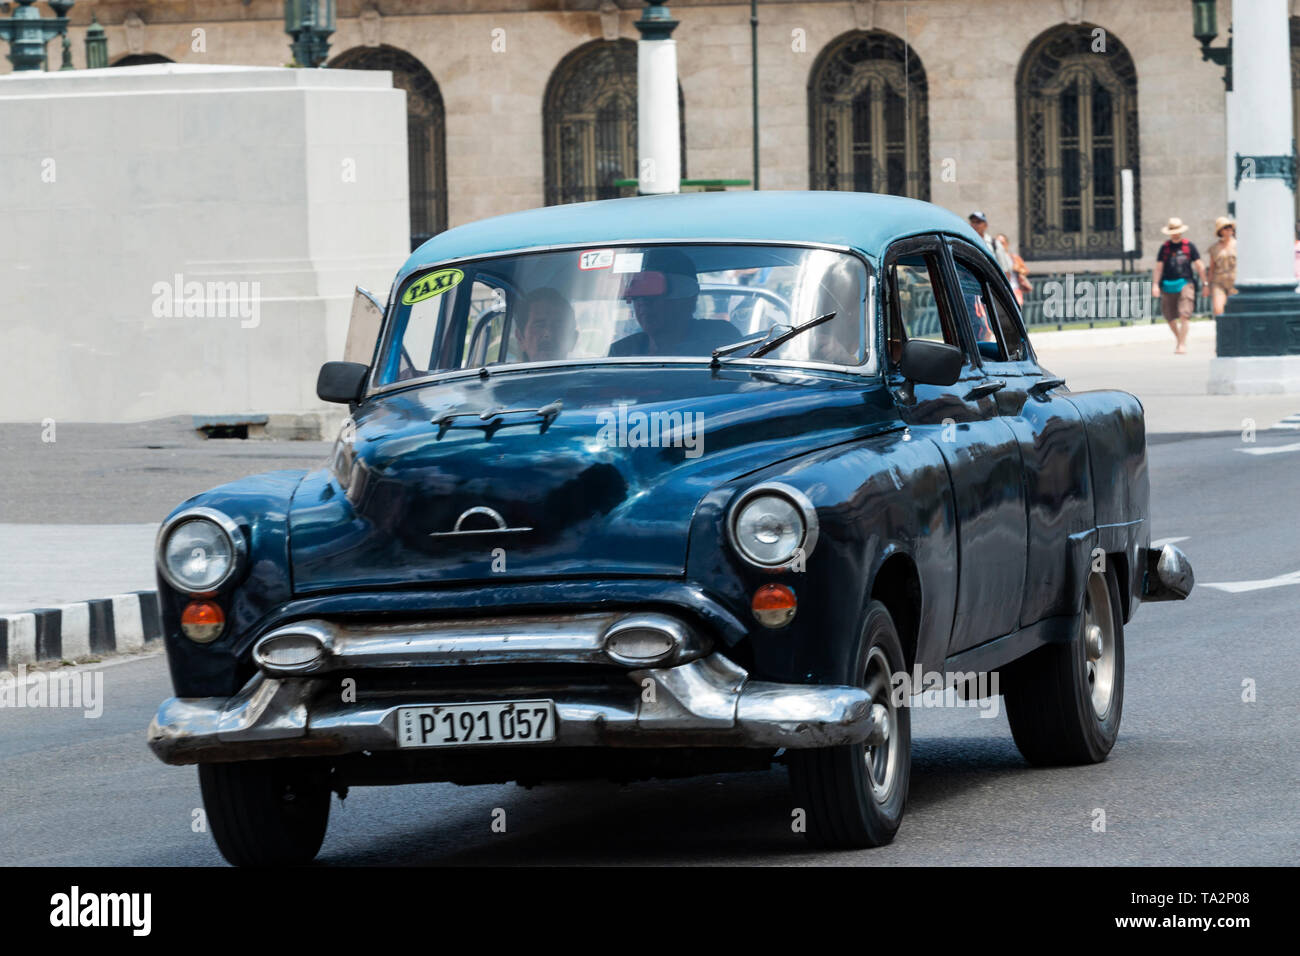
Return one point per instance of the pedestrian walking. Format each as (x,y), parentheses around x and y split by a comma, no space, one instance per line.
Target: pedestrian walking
(1178,264)
(980,223)
(1222,274)
(1297,256)
(1019,274)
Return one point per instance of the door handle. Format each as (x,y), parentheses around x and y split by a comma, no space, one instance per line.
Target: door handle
(985,388)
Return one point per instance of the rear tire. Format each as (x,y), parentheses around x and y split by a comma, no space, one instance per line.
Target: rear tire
(854,796)
(266,812)
(1064,701)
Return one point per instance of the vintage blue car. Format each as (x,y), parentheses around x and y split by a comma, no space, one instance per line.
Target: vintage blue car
(665,486)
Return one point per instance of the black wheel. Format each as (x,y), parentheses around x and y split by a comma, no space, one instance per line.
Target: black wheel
(854,795)
(266,812)
(1064,701)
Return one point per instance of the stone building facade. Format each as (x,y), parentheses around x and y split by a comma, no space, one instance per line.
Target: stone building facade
(1026,109)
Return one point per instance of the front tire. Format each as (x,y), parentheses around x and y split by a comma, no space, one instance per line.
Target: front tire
(1064,701)
(266,812)
(854,795)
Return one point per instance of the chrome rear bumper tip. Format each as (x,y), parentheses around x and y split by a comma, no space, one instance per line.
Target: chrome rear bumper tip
(1169,575)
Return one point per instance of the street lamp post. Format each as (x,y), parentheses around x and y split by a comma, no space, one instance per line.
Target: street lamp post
(310,23)
(753,81)
(1258,336)
(1205,27)
(61,8)
(657,119)
(96,45)
(27,33)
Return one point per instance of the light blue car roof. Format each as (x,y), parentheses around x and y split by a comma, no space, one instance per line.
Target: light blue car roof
(867,222)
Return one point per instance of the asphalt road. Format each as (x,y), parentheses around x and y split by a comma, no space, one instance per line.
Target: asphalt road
(1198,776)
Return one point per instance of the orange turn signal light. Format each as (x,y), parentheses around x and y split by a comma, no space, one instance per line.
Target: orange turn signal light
(774,605)
(203,621)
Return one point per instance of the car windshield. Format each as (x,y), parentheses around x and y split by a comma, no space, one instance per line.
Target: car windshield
(662,301)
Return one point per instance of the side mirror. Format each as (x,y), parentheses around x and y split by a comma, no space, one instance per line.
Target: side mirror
(341,382)
(930,363)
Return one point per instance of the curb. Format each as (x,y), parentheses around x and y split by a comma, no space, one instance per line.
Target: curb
(1051,338)
(122,623)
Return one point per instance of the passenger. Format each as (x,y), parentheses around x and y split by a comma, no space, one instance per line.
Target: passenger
(546,330)
(663,297)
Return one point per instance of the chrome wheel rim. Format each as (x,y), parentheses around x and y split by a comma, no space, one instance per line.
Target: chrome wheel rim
(1099,644)
(881,753)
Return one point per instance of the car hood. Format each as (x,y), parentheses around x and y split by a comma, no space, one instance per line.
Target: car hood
(606,488)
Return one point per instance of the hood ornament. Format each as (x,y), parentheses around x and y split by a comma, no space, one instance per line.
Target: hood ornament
(489,513)
(490,419)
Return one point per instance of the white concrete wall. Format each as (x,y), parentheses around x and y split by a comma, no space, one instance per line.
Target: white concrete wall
(114,182)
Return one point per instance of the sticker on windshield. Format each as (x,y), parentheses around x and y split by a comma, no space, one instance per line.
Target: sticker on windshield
(435,283)
(596,259)
(628,261)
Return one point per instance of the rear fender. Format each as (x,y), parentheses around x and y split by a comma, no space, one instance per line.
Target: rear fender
(1117,455)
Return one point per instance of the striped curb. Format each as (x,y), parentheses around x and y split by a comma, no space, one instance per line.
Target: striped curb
(122,623)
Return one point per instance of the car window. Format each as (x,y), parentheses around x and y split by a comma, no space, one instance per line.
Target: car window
(486,342)
(1013,343)
(679,301)
(992,325)
(752,310)
(915,312)
(419,335)
(975,308)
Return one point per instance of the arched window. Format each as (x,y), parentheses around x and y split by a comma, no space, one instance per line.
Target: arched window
(589,118)
(868,117)
(426,132)
(141,59)
(1078,128)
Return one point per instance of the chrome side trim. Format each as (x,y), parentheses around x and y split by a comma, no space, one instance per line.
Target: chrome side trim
(449,375)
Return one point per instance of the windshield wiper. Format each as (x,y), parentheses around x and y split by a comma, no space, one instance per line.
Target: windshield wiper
(722,350)
(768,341)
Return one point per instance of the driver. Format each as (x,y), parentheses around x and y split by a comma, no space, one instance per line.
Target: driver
(547,330)
(663,297)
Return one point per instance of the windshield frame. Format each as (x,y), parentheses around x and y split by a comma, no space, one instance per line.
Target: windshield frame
(869,368)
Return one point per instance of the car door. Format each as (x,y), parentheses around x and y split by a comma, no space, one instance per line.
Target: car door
(962,420)
(1049,431)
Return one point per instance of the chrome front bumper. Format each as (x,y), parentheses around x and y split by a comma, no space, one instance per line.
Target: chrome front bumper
(697,699)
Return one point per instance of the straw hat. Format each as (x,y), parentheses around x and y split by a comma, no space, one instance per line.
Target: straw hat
(1175,227)
(1222,223)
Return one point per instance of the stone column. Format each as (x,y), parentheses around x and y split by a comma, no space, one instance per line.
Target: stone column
(1258,336)
(657,119)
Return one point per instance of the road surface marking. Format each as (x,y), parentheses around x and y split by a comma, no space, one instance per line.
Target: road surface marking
(1237,587)
(1270,449)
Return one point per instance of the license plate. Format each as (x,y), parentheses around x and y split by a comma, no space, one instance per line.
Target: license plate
(459,725)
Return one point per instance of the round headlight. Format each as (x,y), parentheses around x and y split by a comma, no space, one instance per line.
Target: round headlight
(199,551)
(770,524)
